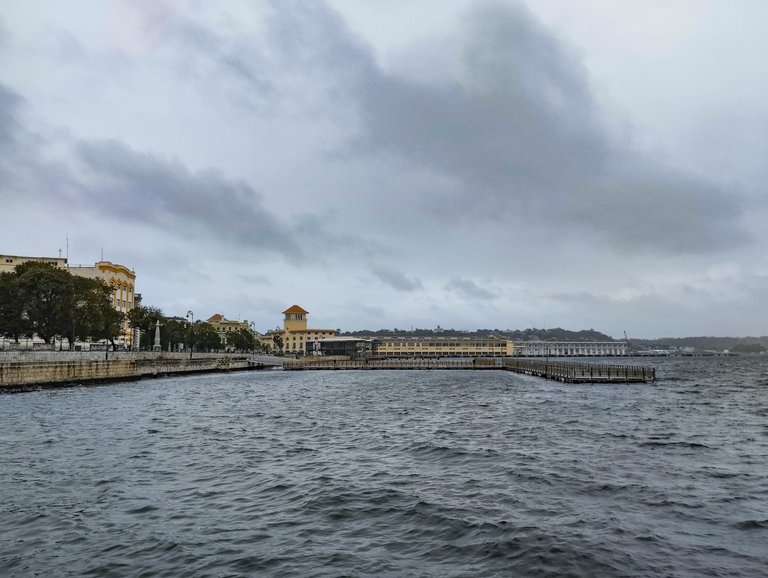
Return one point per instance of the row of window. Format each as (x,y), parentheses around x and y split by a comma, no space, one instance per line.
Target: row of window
(54,263)
(501,344)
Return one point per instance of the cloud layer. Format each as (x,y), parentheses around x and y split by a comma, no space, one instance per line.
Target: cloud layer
(475,176)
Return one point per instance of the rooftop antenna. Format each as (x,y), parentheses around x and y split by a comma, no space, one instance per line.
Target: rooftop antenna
(102,253)
(67,247)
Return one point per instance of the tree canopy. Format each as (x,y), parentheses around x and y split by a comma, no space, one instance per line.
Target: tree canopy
(37,298)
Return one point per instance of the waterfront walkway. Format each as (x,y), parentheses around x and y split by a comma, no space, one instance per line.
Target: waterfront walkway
(569,372)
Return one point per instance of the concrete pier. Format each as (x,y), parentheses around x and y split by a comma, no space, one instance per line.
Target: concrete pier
(564,371)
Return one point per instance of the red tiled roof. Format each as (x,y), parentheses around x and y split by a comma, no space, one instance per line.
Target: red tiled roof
(294,309)
(215,317)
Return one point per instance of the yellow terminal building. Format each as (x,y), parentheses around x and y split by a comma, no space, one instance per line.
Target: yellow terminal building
(490,346)
(295,334)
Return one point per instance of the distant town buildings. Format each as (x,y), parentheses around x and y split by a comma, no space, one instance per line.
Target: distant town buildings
(224,326)
(297,338)
(295,334)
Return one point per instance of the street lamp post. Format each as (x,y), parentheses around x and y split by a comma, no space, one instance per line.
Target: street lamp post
(191,315)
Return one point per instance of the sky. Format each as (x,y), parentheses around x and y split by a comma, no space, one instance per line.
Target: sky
(584,164)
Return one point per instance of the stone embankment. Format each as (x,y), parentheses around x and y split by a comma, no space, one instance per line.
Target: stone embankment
(25,370)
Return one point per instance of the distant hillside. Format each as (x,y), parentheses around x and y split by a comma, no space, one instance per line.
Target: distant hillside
(556,334)
(734,344)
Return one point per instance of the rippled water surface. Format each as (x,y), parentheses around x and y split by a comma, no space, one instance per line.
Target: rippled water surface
(428,473)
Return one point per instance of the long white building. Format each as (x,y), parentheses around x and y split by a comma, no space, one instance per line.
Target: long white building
(571,348)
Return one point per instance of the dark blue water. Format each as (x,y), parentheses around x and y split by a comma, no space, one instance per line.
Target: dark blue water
(389,474)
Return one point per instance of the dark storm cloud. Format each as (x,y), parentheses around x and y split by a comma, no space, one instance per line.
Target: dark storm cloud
(395,279)
(10,104)
(468,289)
(9,107)
(146,189)
(518,128)
(24,175)
(518,119)
(511,121)
(213,52)
(301,42)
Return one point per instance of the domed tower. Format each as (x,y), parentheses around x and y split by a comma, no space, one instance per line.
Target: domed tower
(295,319)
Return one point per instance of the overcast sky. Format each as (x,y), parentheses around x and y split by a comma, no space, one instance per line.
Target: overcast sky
(549,163)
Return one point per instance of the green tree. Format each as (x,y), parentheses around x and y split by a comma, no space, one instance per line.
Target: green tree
(93,315)
(12,321)
(241,340)
(205,337)
(173,333)
(145,319)
(47,296)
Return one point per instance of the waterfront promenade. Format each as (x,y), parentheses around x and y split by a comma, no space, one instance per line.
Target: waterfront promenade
(22,369)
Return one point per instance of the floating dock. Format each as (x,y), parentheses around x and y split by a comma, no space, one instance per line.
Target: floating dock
(564,371)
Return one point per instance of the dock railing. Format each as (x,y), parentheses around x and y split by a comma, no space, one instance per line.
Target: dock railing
(581,372)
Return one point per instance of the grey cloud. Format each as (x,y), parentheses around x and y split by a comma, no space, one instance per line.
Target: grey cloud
(643,205)
(25,175)
(302,43)
(10,104)
(513,123)
(254,279)
(519,130)
(212,51)
(4,35)
(322,241)
(395,279)
(518,119)
(146,189)
(468,289)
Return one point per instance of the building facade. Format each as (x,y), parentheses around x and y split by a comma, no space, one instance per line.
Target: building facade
(352,347)
(224,326)
(571,348)
(123,283)
(295,334)
(120,278)
(8,263)
(490,346)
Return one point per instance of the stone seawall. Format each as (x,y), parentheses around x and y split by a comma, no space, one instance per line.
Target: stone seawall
(20,371)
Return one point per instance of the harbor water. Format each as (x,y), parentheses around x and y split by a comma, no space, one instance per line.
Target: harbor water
(391,473)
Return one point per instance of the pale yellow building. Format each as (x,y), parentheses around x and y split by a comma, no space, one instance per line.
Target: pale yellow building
(123,283)
(224,326)
(491,346)
(8,263)
(295,334)
(120,278)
